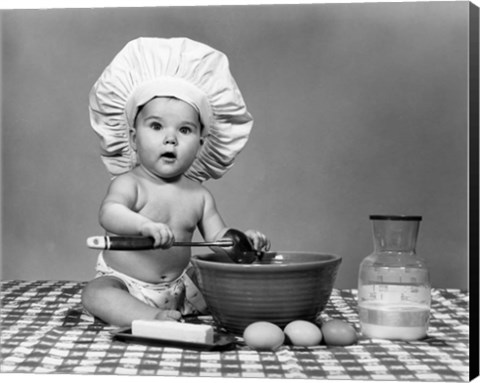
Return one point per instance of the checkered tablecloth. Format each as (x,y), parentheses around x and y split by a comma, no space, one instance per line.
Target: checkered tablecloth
(43,330)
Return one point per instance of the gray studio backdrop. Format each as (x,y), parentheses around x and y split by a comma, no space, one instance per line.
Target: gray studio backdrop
(359,109)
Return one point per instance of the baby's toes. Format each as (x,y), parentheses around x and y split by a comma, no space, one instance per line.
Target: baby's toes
(171,315)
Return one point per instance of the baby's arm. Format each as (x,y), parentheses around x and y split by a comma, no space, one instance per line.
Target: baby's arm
(118,214)
(213,228)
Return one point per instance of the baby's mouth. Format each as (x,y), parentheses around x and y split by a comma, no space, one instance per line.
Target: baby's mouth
(169,155)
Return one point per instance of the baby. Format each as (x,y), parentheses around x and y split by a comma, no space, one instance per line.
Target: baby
(169,121)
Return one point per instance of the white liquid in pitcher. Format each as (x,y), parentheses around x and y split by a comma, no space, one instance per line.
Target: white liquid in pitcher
(405,321)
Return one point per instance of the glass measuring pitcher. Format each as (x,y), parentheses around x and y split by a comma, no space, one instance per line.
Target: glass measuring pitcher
(394,292)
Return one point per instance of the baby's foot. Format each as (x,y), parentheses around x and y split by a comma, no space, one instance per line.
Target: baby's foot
(171,315)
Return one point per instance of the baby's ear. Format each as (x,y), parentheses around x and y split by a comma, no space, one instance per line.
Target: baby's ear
(202,140)
(133,136)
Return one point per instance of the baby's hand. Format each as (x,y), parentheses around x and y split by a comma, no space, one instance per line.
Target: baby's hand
(259,240)
(161,233)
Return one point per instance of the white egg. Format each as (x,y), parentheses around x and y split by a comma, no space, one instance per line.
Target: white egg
(303,333)
(263,336)
(338,333)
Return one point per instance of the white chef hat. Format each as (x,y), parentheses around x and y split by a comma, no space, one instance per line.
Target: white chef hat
(178,67)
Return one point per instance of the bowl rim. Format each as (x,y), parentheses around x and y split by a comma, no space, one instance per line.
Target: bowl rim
(257,267)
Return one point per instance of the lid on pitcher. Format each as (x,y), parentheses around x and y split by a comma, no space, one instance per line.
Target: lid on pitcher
(397,217)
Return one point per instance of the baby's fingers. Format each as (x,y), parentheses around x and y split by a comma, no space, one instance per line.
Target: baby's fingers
(162,235)
(258,239)
(164,238)
(263,242)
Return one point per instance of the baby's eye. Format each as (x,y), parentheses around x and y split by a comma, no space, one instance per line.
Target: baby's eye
(185,130)
(156,126)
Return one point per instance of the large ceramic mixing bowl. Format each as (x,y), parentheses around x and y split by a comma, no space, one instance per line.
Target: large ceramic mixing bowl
(283,287)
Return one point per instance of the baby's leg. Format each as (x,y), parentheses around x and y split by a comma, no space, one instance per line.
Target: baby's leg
(108,299)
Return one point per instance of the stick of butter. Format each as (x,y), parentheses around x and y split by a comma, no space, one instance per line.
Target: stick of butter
(173,331)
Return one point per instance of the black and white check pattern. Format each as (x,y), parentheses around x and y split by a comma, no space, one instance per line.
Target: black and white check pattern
(44,330)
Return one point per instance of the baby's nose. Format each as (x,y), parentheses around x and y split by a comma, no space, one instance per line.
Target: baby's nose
(171,139)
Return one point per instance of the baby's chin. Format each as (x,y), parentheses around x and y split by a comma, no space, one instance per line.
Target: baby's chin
(165,175)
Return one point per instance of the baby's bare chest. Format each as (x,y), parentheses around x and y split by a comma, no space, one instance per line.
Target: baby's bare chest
(179,209)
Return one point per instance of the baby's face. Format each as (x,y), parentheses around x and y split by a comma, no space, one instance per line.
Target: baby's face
(167,136)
